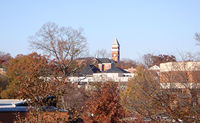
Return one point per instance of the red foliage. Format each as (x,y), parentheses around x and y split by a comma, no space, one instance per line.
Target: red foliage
(105,105)
(4,59)
(151,60)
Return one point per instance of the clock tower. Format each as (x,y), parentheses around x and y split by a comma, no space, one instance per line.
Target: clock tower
(115,50)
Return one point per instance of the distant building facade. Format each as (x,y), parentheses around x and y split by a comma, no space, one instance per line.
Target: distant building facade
(182,81)
(180,74)
(113,75)
(155,68)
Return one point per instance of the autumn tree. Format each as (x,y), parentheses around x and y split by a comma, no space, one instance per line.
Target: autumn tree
(139,97)
(62,44)
(3,82)
(126,63)
(27,75)
(151,60)
(150,95)
(4,59)
(12,88)
(73,101)
(31,79)
(104,105)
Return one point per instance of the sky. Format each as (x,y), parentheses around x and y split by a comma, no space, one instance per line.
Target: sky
(141,26)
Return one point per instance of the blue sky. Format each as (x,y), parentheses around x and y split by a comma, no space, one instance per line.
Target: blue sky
(142,26)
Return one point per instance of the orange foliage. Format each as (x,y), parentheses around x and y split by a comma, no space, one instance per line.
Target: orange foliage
(28,79)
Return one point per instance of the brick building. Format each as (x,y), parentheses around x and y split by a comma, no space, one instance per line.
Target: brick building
(182,81)
(178,73)
(105,64)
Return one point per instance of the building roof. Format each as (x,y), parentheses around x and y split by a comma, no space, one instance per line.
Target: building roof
(115,42)
(89,70)
(12,105)
(116,70)
(105,60)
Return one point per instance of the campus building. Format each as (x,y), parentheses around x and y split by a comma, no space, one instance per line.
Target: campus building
(103,69)
(182,81)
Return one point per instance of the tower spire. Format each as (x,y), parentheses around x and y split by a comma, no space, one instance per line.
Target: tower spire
(115,42)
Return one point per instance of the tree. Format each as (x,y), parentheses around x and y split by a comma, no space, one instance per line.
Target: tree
(150,95)
(27,75)
(13,73)
(139,96)
(4,59)
(104,105)
(31,79)
(3,82)
(63,44)
(151,60)
(197,37)
(74,99)
(126,63)
(102,53)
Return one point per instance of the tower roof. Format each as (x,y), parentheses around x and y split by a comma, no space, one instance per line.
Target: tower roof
(115,42)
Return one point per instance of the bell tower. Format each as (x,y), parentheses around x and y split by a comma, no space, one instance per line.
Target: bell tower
(115,50)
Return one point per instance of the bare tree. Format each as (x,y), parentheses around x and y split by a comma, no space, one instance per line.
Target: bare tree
(102,53)
(197,37)
(63,44)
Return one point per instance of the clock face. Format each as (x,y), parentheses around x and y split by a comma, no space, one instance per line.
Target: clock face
(114,54)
